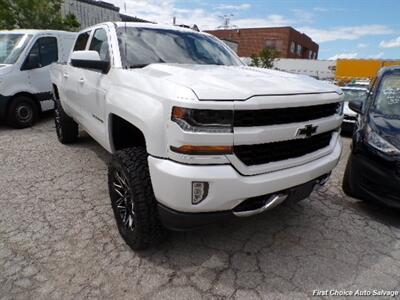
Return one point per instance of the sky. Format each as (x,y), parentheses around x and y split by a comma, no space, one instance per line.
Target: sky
(342,28)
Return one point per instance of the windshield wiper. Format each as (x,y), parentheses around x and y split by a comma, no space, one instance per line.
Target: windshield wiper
(138,66)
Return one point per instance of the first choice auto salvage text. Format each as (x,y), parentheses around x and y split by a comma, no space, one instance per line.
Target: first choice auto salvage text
(361,293)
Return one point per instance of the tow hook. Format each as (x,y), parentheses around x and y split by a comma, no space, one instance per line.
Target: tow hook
(270,203)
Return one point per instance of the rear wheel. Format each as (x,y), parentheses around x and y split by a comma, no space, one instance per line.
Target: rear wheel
(67,129)
(133,200)
(23,112)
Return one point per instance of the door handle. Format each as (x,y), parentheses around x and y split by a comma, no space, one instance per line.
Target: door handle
(82,80)
(65,75)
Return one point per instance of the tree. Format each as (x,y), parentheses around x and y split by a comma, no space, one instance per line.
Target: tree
(37,14)
(265,59)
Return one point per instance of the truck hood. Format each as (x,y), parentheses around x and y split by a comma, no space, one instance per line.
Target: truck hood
(211,82)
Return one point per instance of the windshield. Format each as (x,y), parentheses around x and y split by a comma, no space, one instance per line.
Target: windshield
(11,46)
(143,46)
(387,101)
(354,95)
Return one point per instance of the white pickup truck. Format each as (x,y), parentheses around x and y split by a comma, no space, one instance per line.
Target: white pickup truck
(196,135)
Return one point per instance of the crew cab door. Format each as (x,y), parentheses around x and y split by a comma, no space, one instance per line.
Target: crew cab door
(92,87)
(71,76)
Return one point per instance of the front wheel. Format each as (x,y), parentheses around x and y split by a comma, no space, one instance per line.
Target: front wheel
(23,112)
(133,200)
(348,180)
(67,129)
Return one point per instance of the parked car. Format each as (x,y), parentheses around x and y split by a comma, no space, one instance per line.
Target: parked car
(196,135)
(359,84)
(350,117)
(25,59)
(373,168)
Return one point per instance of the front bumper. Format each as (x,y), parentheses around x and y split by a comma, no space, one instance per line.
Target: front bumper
(375,181)
(172,182)
(182,221)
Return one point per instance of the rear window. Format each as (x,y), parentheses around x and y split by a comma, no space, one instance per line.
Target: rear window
(354,95)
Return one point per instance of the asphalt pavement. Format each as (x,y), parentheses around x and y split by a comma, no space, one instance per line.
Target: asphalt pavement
(58,238)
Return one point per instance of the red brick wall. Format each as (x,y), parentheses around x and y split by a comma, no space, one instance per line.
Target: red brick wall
(253,40)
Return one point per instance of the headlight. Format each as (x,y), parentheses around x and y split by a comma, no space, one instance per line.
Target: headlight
(377,142)
(203,120)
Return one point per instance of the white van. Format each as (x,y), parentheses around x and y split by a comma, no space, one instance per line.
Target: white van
(25,59)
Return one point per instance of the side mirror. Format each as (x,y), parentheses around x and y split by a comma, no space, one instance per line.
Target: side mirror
(89,60)
(356,106)
(31,62)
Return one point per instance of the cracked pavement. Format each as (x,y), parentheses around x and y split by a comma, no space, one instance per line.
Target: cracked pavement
(58,239)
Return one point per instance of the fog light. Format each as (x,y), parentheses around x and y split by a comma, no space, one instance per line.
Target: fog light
(199,191)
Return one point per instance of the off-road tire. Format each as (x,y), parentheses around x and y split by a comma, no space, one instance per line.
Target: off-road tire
(131,163)
(66,128)
(23,112)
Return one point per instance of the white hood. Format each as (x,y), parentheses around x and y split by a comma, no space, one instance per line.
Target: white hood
(210,82)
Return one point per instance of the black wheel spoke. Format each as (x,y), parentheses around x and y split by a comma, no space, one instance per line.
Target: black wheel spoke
(124,202)
(119,201)
(119,193)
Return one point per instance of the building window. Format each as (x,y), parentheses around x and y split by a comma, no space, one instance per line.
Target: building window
(274,44)
(293,47)
(310,54)
(299,49)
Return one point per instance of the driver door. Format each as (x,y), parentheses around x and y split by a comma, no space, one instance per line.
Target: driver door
(93,85)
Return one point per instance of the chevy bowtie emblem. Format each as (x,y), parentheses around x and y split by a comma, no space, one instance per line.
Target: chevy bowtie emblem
(307,131)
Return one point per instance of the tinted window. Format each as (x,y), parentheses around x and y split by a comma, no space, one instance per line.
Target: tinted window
(46,49)
(143,46)
(100,44)
(81,41)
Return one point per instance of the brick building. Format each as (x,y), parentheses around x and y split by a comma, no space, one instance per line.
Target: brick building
(288,41)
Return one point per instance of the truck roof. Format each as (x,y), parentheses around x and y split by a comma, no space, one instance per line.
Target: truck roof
(145,25)
(35,31)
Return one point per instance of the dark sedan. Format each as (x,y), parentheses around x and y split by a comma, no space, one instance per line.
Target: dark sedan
(373,168)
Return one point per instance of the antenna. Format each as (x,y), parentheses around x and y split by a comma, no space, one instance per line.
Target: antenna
(126,39)
(226,22)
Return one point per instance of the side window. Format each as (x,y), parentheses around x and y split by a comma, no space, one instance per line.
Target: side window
(81,41)
(43,53)
(48,50)
(100,44)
